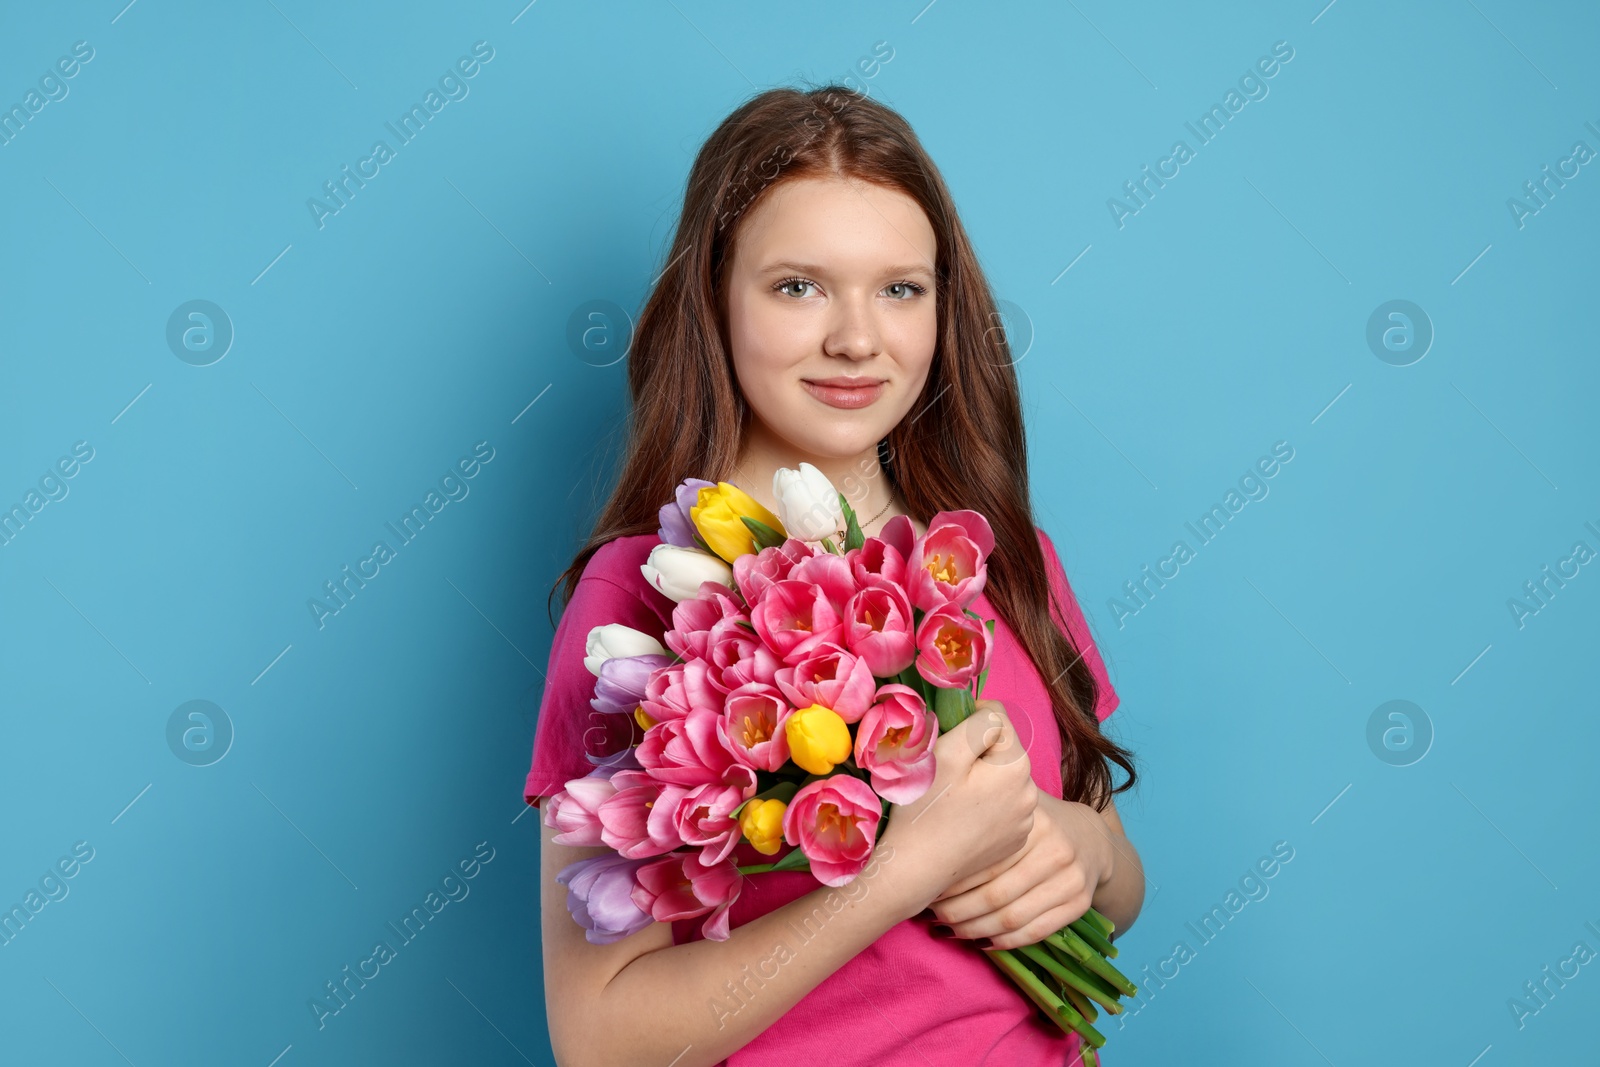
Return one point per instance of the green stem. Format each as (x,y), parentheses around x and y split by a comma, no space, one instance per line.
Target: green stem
(1044,959)
(1084,1005)
(1093,961)
(1105,925)
(1093,937)
(1086,983)
(1040,994)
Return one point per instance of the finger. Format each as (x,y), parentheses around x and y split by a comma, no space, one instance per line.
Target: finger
(992,895)
(986,875)
(996,737)
(1016,914)
(959,747)
(1041,927)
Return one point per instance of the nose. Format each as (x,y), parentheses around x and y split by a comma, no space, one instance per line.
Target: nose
(852,329)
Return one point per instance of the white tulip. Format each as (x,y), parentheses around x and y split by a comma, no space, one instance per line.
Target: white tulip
(615,640)
(678,572)
(808,504)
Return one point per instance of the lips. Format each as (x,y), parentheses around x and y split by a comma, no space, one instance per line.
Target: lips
(841,393)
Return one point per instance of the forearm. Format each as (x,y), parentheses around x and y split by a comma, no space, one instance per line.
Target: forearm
(694,1004)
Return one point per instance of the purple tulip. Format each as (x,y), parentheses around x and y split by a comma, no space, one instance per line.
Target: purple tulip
(622,681)
(600,897)
(676,526)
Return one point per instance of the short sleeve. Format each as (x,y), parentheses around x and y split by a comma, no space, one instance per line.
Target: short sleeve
(568,727)
(1077,628)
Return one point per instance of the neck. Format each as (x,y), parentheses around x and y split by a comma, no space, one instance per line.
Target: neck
(859,478)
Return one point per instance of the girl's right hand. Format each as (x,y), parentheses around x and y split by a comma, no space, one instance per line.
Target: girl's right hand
(977,812)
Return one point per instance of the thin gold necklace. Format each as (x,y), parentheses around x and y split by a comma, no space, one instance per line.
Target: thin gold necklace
(879,515)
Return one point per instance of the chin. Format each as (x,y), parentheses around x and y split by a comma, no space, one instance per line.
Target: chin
(846,442)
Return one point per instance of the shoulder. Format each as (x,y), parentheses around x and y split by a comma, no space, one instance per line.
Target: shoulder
(615,567)
(621,557)
(1055,572)
(1048,547)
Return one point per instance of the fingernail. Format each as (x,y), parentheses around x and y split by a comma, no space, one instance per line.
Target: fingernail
(925,913)
(941,930)
(982,942)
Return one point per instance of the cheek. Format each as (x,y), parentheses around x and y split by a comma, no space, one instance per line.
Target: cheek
(765,347)
(913,338)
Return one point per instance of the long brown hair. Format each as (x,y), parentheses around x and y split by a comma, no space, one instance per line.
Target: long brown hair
(969,418)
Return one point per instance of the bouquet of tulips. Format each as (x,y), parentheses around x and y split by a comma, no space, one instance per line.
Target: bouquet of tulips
(808,671)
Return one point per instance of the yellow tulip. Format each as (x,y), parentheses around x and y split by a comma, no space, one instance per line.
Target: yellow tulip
(818,739)
(762,824)
(717,513)
(639,716)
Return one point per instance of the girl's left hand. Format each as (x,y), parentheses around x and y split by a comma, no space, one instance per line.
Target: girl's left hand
(1037,890)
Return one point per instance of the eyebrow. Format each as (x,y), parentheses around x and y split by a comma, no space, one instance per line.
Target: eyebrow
(812,268)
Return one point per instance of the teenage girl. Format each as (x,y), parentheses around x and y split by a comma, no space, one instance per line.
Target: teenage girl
(822,303)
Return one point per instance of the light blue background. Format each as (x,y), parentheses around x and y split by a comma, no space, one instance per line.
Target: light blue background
(373,754)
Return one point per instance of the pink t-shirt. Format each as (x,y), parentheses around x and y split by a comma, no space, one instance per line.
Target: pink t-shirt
(907,999)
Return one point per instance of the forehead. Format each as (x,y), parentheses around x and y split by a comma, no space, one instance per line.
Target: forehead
(836,224)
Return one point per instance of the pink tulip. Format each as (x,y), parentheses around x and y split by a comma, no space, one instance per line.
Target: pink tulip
(884,554)
(692,751)
(694,621)
(834,820)
(947,563)
(829,573)
(704,817)
(679,688)
(952,647)
(832,677)
(878,627)
(755,715)
(738,657)
(895,743)
(754,572)
(794,617)
(574,811)
(681,886)
(629,821)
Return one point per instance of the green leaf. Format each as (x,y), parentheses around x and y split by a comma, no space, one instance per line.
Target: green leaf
(765,536)
(783,791)
(794,861)
(853,537)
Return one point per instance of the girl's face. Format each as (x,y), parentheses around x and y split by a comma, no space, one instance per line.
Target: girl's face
(830,305)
